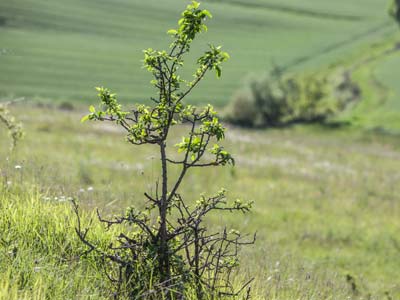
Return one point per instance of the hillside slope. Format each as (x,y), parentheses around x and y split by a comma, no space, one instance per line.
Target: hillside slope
(61,50)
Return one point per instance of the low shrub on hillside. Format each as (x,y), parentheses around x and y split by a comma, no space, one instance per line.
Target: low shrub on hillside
(276,100)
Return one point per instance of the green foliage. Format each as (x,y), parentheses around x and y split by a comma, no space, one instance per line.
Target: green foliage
(12,126)
(175,255)
(394,10)
(276,100)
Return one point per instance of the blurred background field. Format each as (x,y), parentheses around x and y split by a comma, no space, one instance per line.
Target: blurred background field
(63,49)
(326,198)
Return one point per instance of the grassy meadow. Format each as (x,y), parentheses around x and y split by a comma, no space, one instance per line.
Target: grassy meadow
(327,199)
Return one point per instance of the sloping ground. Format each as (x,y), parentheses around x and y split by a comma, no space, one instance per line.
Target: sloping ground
(326,200)
(388,72)
(341,9)
(377,71)
(39,249)
(386,77)
(62,49)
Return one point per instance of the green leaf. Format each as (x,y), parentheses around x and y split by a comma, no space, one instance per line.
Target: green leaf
(207,13)
(225,55)
(172,32)
(92,109)
(195,4)
(85,118)
(218,70)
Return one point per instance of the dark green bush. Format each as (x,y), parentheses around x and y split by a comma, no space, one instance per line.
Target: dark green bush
(67,106)
(394,10)
(276,100)
(344,90)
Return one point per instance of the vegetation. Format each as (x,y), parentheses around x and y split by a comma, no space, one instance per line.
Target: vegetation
(12,126)
(327,198)
(373,71)
(327,203)
(39,251)
(276,100)
(394,10)
(176,256)
(48,47)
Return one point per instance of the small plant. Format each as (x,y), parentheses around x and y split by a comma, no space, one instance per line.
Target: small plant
(14,128)
(167,251)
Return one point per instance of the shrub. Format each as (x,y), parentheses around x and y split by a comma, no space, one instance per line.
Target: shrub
(67,106)
(244,109)
(344,90)
(276,100)
(394,10)
(169,253)
(269,100)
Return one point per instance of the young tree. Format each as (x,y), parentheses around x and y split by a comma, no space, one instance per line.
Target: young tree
(12,126)
(177,252)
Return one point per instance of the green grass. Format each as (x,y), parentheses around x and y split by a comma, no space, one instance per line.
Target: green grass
(375,70)
(63,49)
(326,201)
(39,253)
(389,75)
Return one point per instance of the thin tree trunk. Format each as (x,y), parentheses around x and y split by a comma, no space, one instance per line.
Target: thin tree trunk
(164,263)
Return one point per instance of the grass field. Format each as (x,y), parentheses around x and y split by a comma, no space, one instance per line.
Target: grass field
(61,50)
(376,74)
(327,201)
